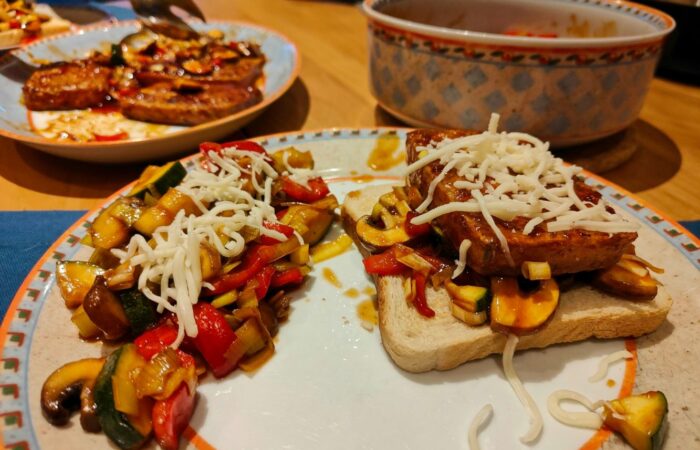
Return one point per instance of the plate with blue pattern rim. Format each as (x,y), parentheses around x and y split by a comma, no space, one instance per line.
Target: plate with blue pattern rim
(330,384)
(280,71)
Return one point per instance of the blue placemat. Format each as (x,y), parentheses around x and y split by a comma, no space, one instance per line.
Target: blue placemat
(25,237)
(27,234)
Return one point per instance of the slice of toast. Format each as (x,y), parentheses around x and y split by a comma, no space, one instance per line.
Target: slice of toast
(420,344)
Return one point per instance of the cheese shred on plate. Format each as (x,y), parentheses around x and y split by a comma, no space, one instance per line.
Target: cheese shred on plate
(605,363)
(481,417)
(525,398)
(171,275)
(509,175)
(580,419)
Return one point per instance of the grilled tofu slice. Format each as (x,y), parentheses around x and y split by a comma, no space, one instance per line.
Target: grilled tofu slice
(566,251)
(67,85)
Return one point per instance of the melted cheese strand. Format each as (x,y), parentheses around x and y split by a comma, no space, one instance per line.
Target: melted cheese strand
(605,363)
(497,231)
(482,416)
(433,184)
(524,397)
(298,175)
(579,419)
(462,261)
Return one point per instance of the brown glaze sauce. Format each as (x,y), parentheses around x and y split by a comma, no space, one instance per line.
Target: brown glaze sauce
(352,293)
(384,155)
(331,277)
(367,312)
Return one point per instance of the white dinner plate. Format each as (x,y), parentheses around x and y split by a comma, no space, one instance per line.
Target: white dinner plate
(332,386)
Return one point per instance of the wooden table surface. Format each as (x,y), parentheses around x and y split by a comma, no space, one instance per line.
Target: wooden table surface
(333,91)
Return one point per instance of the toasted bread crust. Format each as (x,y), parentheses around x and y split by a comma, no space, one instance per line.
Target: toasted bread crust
(566,251)
(419,344)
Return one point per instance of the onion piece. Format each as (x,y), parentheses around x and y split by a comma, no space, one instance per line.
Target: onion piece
(533,270)
(412,259)
(643,261)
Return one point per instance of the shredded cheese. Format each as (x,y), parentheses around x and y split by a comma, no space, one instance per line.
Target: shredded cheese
(482,416)
(508,175)
(524,397)
(171,275)
(462,261)
(298,175)
(605,363)
(581,419)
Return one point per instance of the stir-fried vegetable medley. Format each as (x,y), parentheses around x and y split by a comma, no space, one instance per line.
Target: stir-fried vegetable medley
(190,273)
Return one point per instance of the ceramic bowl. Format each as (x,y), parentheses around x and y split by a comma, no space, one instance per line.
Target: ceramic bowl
(451,63)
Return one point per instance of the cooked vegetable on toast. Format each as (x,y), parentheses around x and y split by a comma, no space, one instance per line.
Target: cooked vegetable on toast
(190,274)
(494,244)
(486,228)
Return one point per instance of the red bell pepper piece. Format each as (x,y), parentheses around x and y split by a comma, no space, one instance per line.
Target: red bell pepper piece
(279,227)
(153,341)
(214,337)
(289,277)
(264,278)
(206,147)
(111,137)
(256,258)
(415,230)
(248,146)
(281,213)
(419,301)
(171,416)
(384,264)
(317,190)
(239,277)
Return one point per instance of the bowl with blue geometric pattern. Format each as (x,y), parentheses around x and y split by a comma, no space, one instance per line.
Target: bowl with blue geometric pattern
(569,71)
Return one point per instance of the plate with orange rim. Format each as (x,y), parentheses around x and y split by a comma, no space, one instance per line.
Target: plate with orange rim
(136,141)
(330,383)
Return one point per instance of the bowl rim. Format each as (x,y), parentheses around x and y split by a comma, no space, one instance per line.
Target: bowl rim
(110,145)
(433,31)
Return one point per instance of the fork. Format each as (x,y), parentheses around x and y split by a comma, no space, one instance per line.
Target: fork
(157,16)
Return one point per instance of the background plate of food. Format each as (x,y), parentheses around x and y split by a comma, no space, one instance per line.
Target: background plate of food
(78,95)
(21,23)
(330,382)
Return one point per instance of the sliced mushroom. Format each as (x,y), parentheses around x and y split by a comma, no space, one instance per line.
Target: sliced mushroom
(105,310)
(68,389)
(629,279)
(88,408)
(521,312)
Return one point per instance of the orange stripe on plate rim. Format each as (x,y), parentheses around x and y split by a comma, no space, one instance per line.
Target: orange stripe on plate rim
(196,439)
